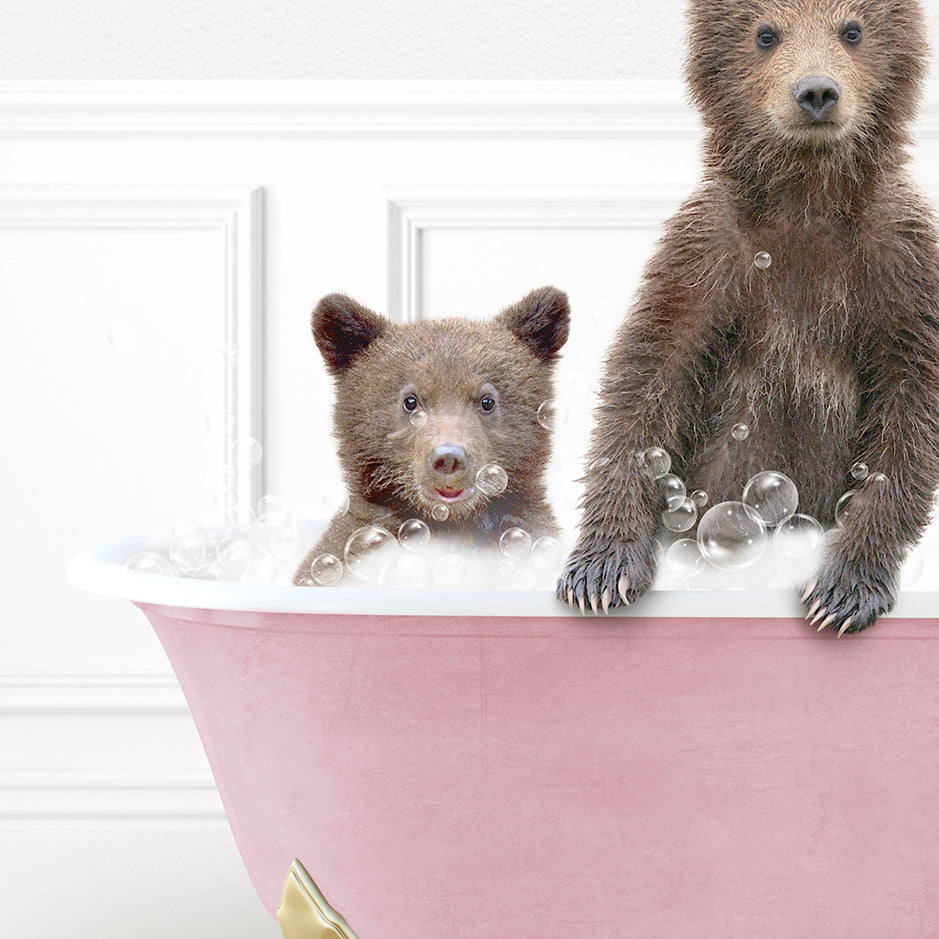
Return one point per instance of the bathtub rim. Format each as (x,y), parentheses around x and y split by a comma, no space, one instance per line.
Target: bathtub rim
(101,570)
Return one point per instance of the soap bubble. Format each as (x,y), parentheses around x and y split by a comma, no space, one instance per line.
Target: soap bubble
(731,536)
(700,498)
(439,513)
(150,562)
(419,418)
(552,415)
(859,471)
(492,479)
(673,488)
(507,567)
(546,552)
(772,496)
(681,518)
(740,432)
(842,508)
(762,260)
(234,555)
(413,534)
(188,552)
(260,570)
(876,479)
(326,570)
(515,543)
(285,543)
(797,536)
(684,557)
(246,451)
(272,510)
(370,553)
(655,461)
(450,570)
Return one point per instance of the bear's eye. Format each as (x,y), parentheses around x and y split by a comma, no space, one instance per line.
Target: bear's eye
(410,402)
(766,37)
(487,402)
(851,33)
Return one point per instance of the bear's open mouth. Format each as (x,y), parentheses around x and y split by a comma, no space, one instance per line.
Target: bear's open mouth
(452,494)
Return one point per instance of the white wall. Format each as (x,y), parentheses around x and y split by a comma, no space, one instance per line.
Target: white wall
(162,245)
(290,39)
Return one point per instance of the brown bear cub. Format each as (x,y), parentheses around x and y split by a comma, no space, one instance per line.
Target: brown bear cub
(827,347)
(421,408)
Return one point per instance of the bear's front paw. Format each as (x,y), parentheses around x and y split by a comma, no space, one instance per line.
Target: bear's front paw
(847,598)
(606,574)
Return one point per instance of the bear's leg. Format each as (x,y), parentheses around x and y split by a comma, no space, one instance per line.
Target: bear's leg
(646,401)
(899,439)
(613,561)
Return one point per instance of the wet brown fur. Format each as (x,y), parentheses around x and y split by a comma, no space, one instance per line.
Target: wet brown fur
(449,366)
(831,355)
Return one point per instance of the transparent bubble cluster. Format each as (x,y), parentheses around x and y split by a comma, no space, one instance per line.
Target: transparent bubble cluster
(218,544)
(732,536)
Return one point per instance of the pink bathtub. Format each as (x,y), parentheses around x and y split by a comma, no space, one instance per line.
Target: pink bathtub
(469,765)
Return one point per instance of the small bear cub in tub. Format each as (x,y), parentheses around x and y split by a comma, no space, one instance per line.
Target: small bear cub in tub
(438,429)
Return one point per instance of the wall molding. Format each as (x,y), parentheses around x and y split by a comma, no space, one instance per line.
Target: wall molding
(263,108)
(236,213)
(352,108)
(413,212)
(129,797)
(127,794)
(32,694)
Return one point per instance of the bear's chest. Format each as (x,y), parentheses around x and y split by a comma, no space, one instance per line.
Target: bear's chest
(796,324)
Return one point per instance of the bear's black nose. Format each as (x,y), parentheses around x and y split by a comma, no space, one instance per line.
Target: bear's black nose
(448,459)
(816,96)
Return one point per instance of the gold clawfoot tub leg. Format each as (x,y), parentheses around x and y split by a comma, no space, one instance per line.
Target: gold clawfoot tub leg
(304,913)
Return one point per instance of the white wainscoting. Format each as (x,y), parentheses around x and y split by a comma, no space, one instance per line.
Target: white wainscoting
(163,244)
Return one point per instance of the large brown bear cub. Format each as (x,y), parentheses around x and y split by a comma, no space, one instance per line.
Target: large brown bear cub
(421,408)
(830,354)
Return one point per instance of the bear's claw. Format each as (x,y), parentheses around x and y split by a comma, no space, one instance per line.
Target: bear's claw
(607,575)
(847,598)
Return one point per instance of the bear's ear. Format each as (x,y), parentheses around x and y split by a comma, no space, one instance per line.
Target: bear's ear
(541,320)
(344,329)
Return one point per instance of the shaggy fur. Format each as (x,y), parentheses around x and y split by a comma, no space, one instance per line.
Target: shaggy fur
(830,355)
(480,385)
